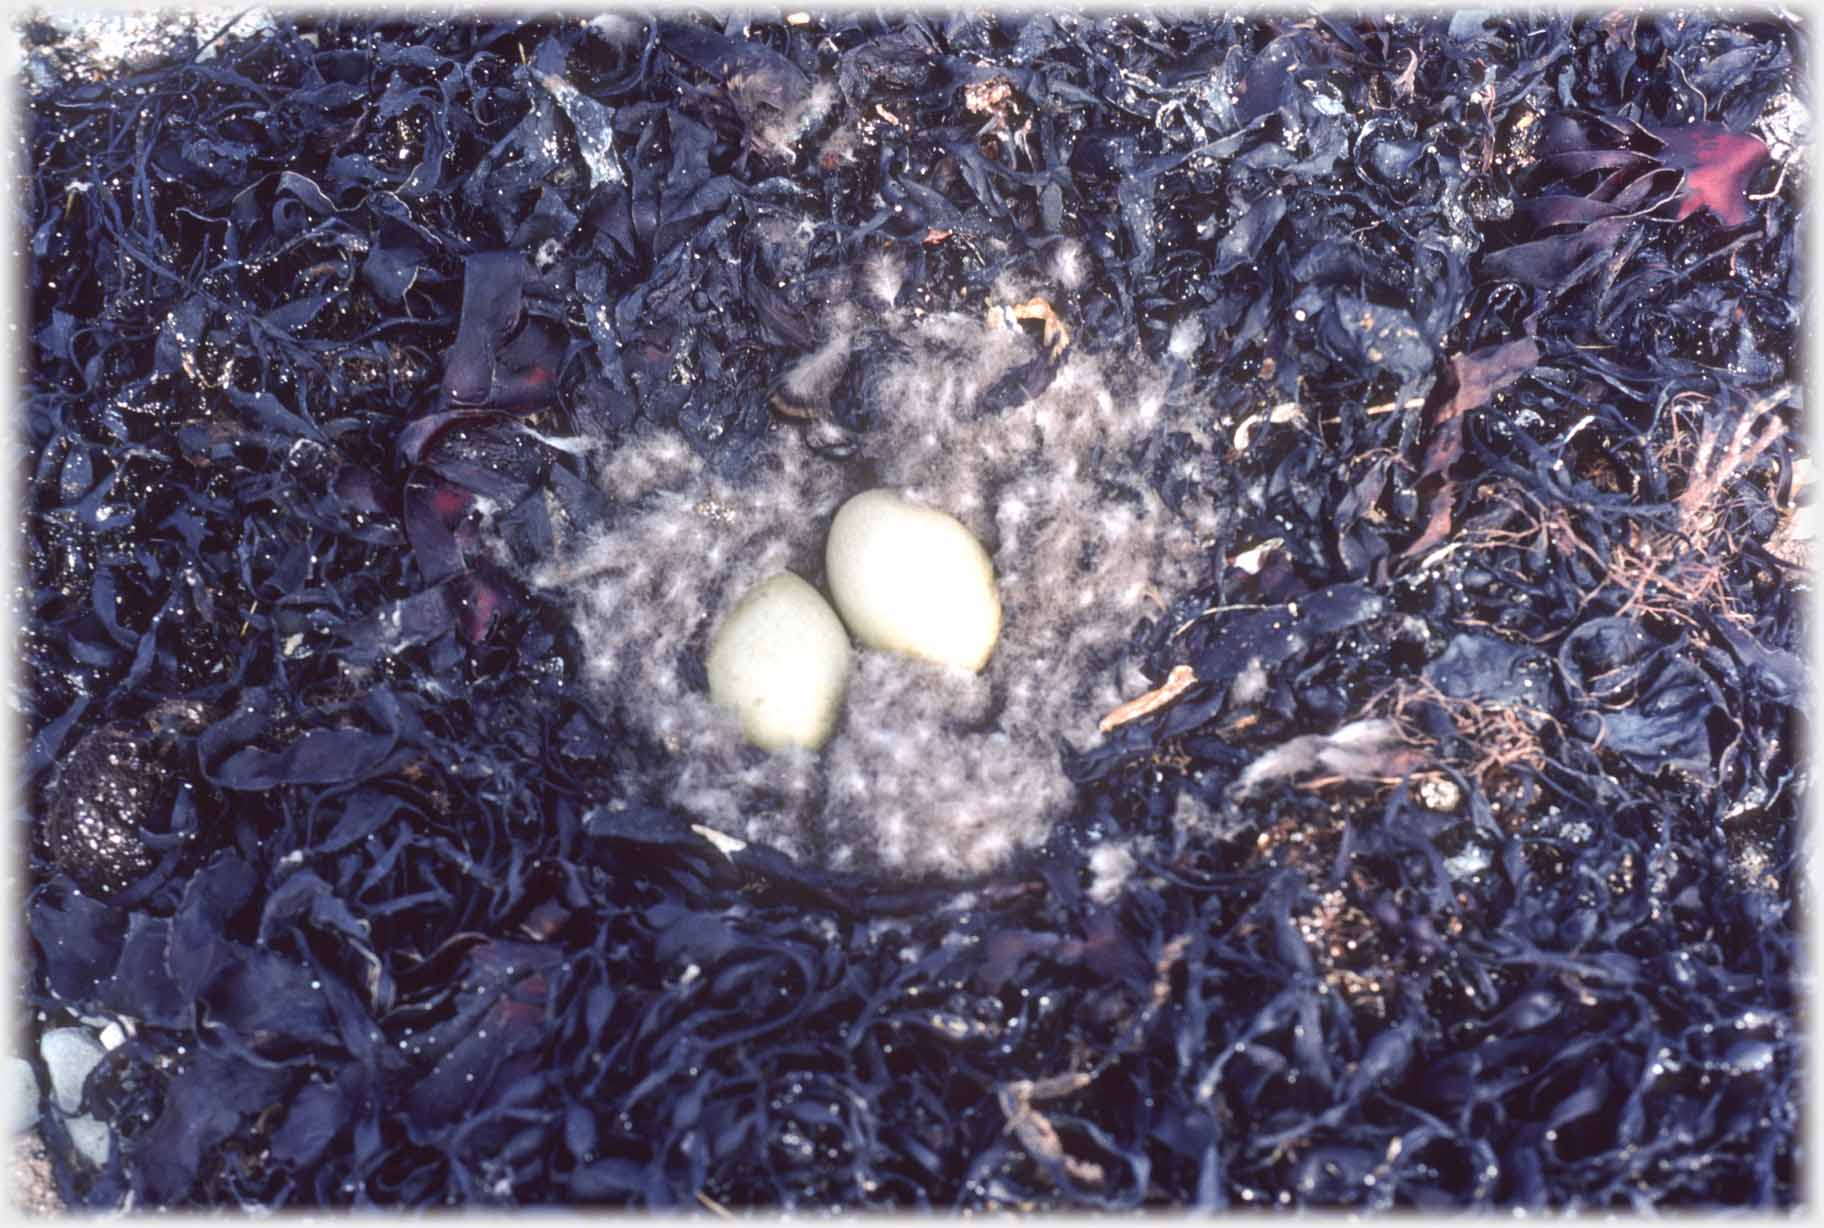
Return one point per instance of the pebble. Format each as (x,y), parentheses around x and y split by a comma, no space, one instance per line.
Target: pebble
(20,1087)
(69,1054)
(91,1138)
(913,580)
(780,662)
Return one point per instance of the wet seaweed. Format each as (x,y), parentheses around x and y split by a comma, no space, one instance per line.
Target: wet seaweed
(1438,843)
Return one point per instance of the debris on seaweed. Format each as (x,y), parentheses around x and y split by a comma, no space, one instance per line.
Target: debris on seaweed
(1437,846)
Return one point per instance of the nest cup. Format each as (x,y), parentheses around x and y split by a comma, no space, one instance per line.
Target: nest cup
(933,770)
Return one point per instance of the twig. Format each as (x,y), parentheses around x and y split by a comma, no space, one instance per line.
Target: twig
(1181,679)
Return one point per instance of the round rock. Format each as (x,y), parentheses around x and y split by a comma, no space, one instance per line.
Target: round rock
(69,1054)
(780,663)
(19,1087)
(93,1139)
(913,580)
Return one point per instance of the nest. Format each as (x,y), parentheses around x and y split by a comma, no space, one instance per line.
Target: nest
(1385,794)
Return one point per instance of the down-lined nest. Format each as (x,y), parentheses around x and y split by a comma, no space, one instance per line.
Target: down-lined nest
(932,769)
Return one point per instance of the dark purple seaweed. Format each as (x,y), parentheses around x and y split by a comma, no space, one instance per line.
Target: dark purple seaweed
(1462,874)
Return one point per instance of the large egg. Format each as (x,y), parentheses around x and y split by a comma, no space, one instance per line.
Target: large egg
(780,663)
(913,580)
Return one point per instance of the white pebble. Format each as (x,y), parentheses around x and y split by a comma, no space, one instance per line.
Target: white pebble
(91,1138)
(20,1087)
(69,1054)
(913,580)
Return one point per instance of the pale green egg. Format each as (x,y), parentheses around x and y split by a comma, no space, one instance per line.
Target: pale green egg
(913,580)
(780,663)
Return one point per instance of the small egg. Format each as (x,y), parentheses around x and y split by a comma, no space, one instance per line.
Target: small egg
(913,580)
(780,663)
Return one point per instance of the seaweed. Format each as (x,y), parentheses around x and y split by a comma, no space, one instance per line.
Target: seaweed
(1388,425)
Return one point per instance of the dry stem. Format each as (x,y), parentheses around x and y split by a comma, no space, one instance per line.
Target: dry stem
(1665,572)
